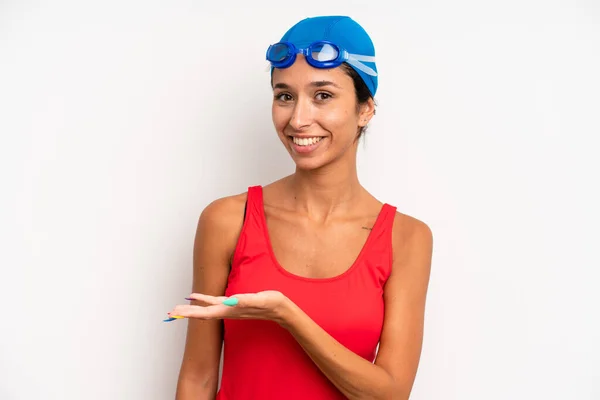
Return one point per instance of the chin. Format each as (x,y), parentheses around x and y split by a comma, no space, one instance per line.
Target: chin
(308,164)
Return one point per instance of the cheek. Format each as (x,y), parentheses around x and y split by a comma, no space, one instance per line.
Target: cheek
(280,117)
(338,120)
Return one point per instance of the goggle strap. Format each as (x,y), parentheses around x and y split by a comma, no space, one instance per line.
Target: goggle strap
(359,57)
(357,64)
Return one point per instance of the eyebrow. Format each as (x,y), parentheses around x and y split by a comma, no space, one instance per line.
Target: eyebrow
(318,84)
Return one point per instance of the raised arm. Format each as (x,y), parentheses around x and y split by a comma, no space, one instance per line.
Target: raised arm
(216,237)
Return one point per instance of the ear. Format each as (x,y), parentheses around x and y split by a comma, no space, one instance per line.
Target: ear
(366,112)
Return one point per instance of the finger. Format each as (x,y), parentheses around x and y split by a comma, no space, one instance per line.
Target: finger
(239,300)
(245,300)
(211,312)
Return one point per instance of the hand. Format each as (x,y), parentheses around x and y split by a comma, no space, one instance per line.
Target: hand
(267,305)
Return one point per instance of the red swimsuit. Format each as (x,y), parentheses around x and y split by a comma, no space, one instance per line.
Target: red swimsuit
(263,361)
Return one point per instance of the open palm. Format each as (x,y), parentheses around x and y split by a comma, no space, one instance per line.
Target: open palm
(262,305)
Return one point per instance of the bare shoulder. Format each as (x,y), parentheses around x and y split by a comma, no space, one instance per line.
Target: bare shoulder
(222,220)
(225,211)
(411,238)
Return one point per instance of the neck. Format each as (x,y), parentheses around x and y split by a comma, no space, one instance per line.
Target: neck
(326,191)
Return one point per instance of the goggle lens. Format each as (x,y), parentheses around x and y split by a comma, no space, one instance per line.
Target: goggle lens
(323,52)
(278,52)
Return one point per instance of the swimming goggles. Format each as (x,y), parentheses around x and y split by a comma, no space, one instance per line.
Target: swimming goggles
(321,54)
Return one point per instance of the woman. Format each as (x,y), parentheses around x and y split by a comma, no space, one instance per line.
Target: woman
(302,280)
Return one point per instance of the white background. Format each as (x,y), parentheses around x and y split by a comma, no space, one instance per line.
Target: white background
(120,121)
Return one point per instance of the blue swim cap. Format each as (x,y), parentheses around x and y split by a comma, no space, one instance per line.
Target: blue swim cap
(341,30)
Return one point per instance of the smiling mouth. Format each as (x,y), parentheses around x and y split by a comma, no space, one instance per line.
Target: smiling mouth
(307,141)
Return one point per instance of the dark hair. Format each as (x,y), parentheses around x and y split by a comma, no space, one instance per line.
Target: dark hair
(362,92)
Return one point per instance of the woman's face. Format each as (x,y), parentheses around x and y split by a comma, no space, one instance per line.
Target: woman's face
(315,113)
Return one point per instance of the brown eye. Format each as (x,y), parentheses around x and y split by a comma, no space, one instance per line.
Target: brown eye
(323,96)
(283,97)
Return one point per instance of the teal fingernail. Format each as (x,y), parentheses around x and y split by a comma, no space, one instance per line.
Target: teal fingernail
(232,301)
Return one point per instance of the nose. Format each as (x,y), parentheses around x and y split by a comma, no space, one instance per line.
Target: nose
(302,116)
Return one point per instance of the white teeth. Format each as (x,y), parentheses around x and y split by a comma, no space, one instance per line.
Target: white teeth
(306,141)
